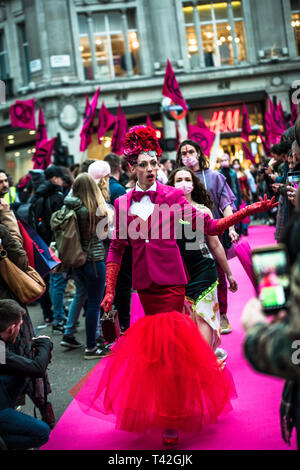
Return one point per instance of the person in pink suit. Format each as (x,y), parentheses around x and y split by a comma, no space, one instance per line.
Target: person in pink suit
(161,373)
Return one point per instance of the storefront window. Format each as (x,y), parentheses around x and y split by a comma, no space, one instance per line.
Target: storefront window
(109,45)
(295,7)
(4,72)
(222,33)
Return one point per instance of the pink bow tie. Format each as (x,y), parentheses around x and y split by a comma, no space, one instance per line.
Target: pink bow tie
(138,195)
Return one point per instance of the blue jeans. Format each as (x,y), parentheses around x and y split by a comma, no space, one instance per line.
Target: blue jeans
(57,289)
(76,305)
(21,431)
(92,279)
(18,430)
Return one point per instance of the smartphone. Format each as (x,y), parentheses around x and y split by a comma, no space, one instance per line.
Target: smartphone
(271,271)
(293,178)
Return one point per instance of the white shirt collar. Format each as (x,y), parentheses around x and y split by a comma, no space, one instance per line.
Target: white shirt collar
(152,188)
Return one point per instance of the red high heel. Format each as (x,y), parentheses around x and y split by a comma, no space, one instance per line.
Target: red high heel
(170,437)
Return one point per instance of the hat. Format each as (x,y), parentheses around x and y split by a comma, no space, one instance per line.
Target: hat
(37,177)
(54,171)
(141,139)
(98,170)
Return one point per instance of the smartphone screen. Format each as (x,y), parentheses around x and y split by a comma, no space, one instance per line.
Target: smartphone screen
(294,178)
(270,267)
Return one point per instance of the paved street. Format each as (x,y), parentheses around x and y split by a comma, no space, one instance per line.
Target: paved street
(67,366)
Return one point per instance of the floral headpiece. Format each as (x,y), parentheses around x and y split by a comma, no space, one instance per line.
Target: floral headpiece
(140,139)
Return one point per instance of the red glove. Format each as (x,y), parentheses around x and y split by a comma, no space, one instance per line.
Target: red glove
(112,271)
(262,206)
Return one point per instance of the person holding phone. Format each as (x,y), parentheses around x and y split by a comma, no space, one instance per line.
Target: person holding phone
(272,343)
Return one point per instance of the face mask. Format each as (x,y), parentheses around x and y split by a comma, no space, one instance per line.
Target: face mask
(225,164)
(190,162)
(236,167)
(186,186)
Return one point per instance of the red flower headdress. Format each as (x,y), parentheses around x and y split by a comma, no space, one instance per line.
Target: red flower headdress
(140,139)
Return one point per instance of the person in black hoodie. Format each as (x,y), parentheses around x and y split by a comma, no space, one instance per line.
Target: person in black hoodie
(18,430)
(48,198)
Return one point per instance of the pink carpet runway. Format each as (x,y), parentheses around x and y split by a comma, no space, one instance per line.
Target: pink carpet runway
(252,425)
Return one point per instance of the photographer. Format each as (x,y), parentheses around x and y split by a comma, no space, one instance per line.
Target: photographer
(273,347)
(18,430)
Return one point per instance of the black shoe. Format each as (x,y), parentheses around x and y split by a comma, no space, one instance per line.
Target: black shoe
(97,353)
(59,328)
(70,342)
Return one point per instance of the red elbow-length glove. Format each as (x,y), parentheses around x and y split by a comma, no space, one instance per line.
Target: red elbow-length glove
(112,271)
(262,206)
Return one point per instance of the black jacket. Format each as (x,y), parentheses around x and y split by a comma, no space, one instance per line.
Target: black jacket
(47,199)
(24,367)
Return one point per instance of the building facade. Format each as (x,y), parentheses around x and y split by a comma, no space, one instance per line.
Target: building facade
(224,54)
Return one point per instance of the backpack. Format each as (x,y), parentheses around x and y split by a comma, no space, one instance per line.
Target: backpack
(64,225)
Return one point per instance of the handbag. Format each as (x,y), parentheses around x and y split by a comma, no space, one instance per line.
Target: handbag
(25,286)
(110,326)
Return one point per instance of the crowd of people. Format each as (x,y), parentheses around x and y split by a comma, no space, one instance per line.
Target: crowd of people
(182,281)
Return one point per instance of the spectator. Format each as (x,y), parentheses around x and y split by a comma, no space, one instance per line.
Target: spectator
(269,347)
(166,166)
(18,430)
(7,189)
(115,188)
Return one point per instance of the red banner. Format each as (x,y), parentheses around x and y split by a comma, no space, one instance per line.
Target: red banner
(149,122)
(41,133)
(279,117)
(246,128)
(201,122)
(266,144)
(106,120)
(22,114)
(87,128)
(42,156)
(248,153)
(120,130)
(171,88)
(204,137)
(272,130)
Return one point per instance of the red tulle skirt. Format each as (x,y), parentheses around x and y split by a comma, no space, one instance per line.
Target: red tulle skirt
(160,374)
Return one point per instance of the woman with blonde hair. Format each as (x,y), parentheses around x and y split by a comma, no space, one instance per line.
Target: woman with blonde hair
(90,206)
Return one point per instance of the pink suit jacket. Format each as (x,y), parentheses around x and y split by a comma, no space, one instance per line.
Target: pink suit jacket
(155,253)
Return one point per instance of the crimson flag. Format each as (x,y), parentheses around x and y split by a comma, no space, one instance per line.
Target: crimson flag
(248,153)
(106,120)
(201,122)
(171,88)
(42,156)
(279,117)
(120,130)
(271,107)
(87,128)
(246,128)
(22,114)
(265,143)
(272,130)
(204,137)
(294,114)
(41,133)
(149,122)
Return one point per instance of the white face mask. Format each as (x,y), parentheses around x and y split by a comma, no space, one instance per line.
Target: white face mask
(224,164)
(186,186)
(190,162)
(236,167)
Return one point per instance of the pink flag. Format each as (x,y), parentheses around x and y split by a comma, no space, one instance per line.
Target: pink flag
(149,122)
(246,128)
(120,130)
(265,143)
(201,122)
(272,130)
(41,133)
(279,117)
(22,114)
(42,156)
(271,107)
(294,114)
(248,153)
(171,88)
(106,120)
(87,128)
(204,137)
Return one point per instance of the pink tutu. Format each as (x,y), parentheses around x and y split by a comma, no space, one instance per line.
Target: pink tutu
(160,374)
